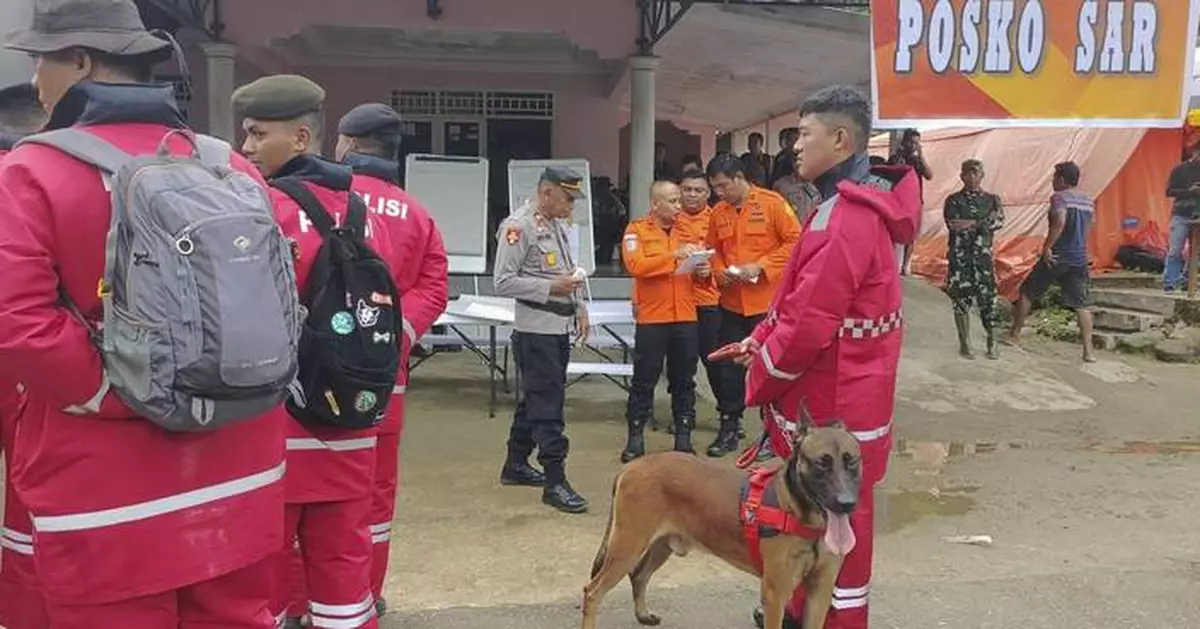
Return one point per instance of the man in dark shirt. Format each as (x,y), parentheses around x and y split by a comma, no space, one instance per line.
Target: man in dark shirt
(781,167)
(756,163)
(1064,258)
(910,153)
(1184,187)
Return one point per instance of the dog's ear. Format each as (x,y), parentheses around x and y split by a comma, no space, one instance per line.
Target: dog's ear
(805,422)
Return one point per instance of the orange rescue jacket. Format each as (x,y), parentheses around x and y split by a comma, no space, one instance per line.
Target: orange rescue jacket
(763,232)
(659,294)
(707,293)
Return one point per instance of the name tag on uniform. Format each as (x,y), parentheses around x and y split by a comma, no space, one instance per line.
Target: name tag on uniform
(631,242)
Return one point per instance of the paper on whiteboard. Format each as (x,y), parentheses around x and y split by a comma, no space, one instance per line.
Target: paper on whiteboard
(694,260)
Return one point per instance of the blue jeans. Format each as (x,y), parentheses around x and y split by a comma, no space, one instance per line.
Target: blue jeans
(1175,275)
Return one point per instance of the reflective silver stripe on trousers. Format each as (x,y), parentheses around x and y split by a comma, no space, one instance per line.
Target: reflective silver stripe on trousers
(340,445)
(381,532)
(350,616)
(864,436)
(399,389)
(851,598)
(19,543)
(160,506)
(410,332)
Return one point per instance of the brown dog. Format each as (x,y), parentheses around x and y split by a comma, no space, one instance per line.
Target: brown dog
(666,503)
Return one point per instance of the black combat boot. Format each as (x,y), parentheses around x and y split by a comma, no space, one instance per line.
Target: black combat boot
(635,442)
(963,324)
(561,496)
(518,472)
(727,436)
(993,344)
(788,621)
(683,434)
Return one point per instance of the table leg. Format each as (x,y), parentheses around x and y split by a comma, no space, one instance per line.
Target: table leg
(1194,260)
(492,368)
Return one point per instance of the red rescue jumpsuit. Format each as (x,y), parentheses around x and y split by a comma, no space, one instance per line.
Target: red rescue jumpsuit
(420,268)
(330,471)
(133,526)
(832,340)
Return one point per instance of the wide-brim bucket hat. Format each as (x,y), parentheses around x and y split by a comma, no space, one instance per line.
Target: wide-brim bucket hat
(109,26)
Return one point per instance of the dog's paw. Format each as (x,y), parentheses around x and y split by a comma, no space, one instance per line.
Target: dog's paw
(649,620)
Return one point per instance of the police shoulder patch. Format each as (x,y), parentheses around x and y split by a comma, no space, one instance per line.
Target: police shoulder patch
(512,235)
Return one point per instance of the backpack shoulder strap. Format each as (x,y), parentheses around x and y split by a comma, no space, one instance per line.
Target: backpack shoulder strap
(83,146)
(308,202)
(356,217)
(213,151)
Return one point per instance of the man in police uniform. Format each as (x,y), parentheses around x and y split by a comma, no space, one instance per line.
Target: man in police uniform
(534,266)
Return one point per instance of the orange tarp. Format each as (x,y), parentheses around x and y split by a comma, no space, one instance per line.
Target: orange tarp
(1126,171)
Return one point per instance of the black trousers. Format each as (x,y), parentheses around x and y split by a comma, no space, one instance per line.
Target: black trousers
(731,400)
(709,334)
(541,360)
(676,342)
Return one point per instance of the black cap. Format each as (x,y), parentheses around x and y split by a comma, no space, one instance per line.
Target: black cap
(278,97)
(19,94)
(565,178)
(370,119)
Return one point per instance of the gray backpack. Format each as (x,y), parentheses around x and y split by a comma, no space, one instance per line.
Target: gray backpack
(201,316)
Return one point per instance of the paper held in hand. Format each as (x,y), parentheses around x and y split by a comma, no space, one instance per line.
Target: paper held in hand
(689,264)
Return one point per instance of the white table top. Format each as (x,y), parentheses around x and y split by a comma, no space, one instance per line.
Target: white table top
(483,310)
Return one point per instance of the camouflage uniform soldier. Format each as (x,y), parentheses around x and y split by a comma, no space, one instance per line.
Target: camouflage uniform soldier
(973,217)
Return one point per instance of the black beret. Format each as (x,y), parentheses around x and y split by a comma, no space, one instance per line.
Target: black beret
(370,119)
(278,97)
(19,94)
(566,178)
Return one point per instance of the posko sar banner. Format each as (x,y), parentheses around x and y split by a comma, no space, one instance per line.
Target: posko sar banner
(1105,63)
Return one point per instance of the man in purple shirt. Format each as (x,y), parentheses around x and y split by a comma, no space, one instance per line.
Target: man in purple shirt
(1064,258)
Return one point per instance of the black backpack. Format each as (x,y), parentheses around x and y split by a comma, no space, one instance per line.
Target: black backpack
(349,346)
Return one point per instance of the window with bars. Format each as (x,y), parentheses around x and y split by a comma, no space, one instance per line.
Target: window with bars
(497,104)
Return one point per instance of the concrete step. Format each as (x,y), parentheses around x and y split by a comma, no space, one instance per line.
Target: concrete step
(1122,320)
(1149,301)
(1126,279)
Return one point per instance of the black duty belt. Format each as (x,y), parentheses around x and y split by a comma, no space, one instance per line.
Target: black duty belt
(553,307)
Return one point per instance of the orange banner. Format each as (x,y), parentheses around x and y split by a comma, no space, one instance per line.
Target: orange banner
(1032,62)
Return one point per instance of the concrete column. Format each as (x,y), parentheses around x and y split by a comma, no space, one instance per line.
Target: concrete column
(220,59)
(641,133)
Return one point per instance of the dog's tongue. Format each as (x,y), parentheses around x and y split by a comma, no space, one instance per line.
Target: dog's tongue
(839,537)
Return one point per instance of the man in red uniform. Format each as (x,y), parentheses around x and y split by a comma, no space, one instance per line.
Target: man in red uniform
(369,142)
(331,472)
(21,605)
(134,526)
(832,337)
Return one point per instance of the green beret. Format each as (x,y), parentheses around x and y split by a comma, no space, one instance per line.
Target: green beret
(278,97)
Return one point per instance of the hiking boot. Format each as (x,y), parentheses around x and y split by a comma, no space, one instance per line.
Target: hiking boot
(683,434)
(521,474)
(788,621)
(635,443)
(727,437)
(963,324)
(564,498)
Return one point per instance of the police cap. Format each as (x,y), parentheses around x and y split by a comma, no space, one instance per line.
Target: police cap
(278,97)
(565,178)
(370,119)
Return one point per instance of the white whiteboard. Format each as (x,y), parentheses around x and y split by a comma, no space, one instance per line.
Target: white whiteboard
(455,191)
(523,176)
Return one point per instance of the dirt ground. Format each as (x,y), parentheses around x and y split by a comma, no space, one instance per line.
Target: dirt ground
(1084,476)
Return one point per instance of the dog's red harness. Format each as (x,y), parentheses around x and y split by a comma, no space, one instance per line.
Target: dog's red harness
(756,516)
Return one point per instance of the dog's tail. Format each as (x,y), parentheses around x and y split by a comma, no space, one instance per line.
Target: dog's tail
(598,562)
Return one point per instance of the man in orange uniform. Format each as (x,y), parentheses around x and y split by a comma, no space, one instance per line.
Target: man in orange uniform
(696,217)
(752,231)
(664,306)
